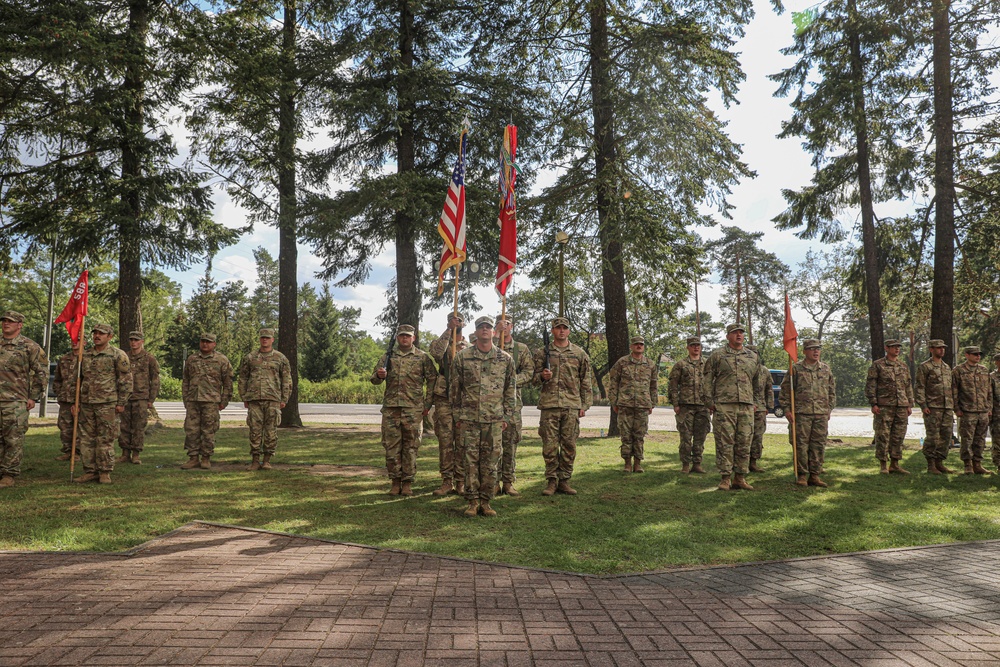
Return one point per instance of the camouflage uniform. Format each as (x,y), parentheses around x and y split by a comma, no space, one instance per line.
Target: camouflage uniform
(451,460)
(106,384)
(403,405)
(23,377)
(64,385)
(972,392)
(632,390)
(265,383)
(483,393)
(764,404)
(560,401)
(995,419)
(933,392)
(815,399)
(888,387)
(524,367)
(684,390)
(731,383)
(145,389)
(207,384)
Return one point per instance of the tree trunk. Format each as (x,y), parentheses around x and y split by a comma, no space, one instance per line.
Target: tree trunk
(407,270)
(288,280)
(609,232)
(132,146)
(746,287)
(943,292)
(870,249)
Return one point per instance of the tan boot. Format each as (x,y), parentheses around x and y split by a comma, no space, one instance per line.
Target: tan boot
(63,457)
(898,469)
(123,458)
(254,463)
(814,480)
(134,458)
(883,468)
(740,482)
(104,478)
(754,467)
(509,489)
(968,468)
(941,467)
(445,489)
(460,488)
(6,481)
(697,469)
(405,490)
(266,463)
(564,487)
(394,491)
(725,484)
(628,464)
(686,468)
(472,509)
(551,488)
(978,468)
(192,462)
(86,477)
(932,468)
(637,465)
(802,480)
(205,463)
(487,510)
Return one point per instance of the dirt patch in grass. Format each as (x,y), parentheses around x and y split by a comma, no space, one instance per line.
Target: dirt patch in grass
(320,469)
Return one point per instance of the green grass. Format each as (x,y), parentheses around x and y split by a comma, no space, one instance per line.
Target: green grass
(618,523)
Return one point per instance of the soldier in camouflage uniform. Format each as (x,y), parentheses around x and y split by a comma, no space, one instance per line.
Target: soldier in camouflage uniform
(815,399)
(404,406)
(105,387)
(206,390)
(731,387)
(564,373)
(765,405)
(483,390)
(890,394)
(684,391)
(24,379)
(995,419)
(972,392)
(64,385)
(524,366)
(451,460)
(632,394)
(265,386)
(933,394)
(145,389)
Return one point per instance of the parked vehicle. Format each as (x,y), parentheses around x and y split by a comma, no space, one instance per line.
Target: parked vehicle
(776,377)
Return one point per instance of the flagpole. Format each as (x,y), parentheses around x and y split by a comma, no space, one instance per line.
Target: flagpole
(454,334)
(795,447)
(503,317)
(76,400)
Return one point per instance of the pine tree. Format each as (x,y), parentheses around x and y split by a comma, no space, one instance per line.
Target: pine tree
(326,349)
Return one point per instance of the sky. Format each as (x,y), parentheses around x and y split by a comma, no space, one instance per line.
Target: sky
(753,123)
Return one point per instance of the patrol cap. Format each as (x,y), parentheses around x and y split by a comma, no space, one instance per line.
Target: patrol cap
(972,349)
(734,327)
(694,340)
(936,342)
(265,333)
(210,337)
(103,328)
(405,330)
(893,342)
(637,339)
(485,320)
(811,344)
(13,316)
(560,322)
(505,317)
(456,316)
(136,335)
(472,338)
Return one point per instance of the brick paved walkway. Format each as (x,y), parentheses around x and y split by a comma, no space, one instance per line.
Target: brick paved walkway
(215,595)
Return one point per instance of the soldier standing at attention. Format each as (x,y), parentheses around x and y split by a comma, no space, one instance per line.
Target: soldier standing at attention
(64,385)
(24,380)
(145,389)
(404,405)
(731,387)
(765,404)
(563,371)
(524,366)
(972,391)
(995,419)
(206,389)
(632,394)
(815,399)
(105,388)
(451,461)
(933,395)
(684,391)
(483,389)
(265,386)
(889,391)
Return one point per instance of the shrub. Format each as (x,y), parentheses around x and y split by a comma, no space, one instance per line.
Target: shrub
(341,390)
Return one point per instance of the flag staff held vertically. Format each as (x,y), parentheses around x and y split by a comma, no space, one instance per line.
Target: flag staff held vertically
(790,340)
(451,226)
(507,219)
(74,315)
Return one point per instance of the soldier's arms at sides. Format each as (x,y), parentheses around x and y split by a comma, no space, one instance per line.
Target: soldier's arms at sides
(614,384)
(243,379)
(525,367)
(586,384)
(785,395)
(430,379)
(186,381)
(871,388)
(154,379)
(123,382)
(674,388)
(708,382)
(654,386)
(920,389)
(758,394)
(286,382)
(956,385)
(227,384)
(833,392)
(38,380)
(509,394)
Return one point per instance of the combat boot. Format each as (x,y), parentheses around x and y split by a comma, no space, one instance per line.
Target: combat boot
(637,465)
(801,480)
(486,509)
(754,467)
(134,458)
(564,487)
(472,509)
(551,488)
(460,488)
(628,464)
(725,484)
(898,469)
(86,477)
(942,468)
(205,463)
(968,467)
(405,490)
(266,463)
(63,457)
(509,489)
(6,481)
(123,458)
(978,468)
(394,491)
(696,468)
(740,482)
(104,478)
(446,488)
(814,480)
(686,468)
(883,468)
(932,468)
(192,462)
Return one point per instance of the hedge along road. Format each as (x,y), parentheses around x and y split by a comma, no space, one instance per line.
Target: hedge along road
(845,422)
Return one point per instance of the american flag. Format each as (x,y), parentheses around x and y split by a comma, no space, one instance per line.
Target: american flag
(451,227)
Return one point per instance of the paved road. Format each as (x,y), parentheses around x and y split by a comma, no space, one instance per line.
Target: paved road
(217,595)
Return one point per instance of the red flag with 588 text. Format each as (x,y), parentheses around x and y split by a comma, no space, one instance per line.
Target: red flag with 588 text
(76,308)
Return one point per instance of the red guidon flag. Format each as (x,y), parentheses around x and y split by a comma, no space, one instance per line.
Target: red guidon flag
(508,208)
(791,336)
(76,309)
(451,227)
